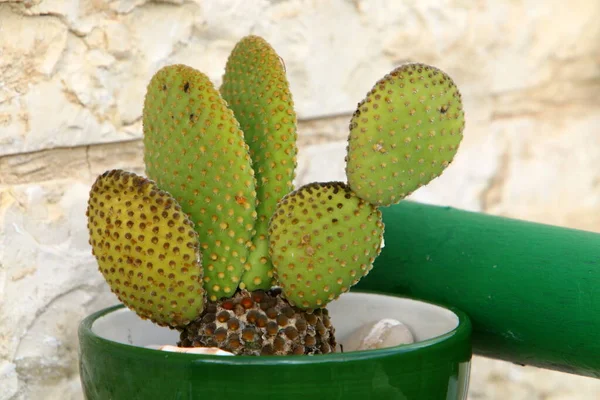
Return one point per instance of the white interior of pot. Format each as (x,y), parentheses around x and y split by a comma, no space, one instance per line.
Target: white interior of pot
(350,312)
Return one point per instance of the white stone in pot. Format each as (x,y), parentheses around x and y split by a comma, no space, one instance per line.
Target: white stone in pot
(191,350)
(377,335)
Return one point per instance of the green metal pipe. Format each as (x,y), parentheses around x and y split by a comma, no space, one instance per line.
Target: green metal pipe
(531,290)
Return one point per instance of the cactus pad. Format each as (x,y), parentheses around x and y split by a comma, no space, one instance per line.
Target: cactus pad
(256,89)
(146,248)
(404,133)
(323,240)
(195,150)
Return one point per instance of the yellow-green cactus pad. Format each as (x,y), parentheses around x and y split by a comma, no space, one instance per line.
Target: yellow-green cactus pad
(404,133)
(323,240)
(146,248)
(195,150)
(256,88)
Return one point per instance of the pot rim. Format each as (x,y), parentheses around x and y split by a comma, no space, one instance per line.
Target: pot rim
(456,335)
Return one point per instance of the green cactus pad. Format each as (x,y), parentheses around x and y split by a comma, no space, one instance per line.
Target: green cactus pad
(195,150)
(146,248)
(323,240)
(256,89)
(404,133)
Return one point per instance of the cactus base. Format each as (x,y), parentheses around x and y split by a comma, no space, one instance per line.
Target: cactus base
(260,323)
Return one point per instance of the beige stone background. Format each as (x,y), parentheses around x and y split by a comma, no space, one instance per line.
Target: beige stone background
(72,80)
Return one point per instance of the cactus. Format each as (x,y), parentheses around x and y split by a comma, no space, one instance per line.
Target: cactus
(195,150)
(257,263)
(404,133)
(256,88)
(323,240)
(146,248)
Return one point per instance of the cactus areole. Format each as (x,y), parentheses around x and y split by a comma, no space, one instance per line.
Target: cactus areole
(216,242)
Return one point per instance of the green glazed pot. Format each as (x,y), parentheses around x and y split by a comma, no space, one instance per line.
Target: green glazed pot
(114,363)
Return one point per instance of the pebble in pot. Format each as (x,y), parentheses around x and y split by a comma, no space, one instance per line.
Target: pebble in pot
(379,334)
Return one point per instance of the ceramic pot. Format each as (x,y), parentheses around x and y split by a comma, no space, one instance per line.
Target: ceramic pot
(114,363)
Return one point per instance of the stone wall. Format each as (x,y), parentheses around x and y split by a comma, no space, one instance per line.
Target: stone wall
(72,80)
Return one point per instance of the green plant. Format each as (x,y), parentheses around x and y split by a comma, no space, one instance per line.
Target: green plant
(201,244)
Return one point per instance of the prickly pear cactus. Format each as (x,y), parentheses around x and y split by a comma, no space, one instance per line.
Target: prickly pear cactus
(195,150)
(202,248)
(256,89)
(404,133)
(146,248)
(323,240)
